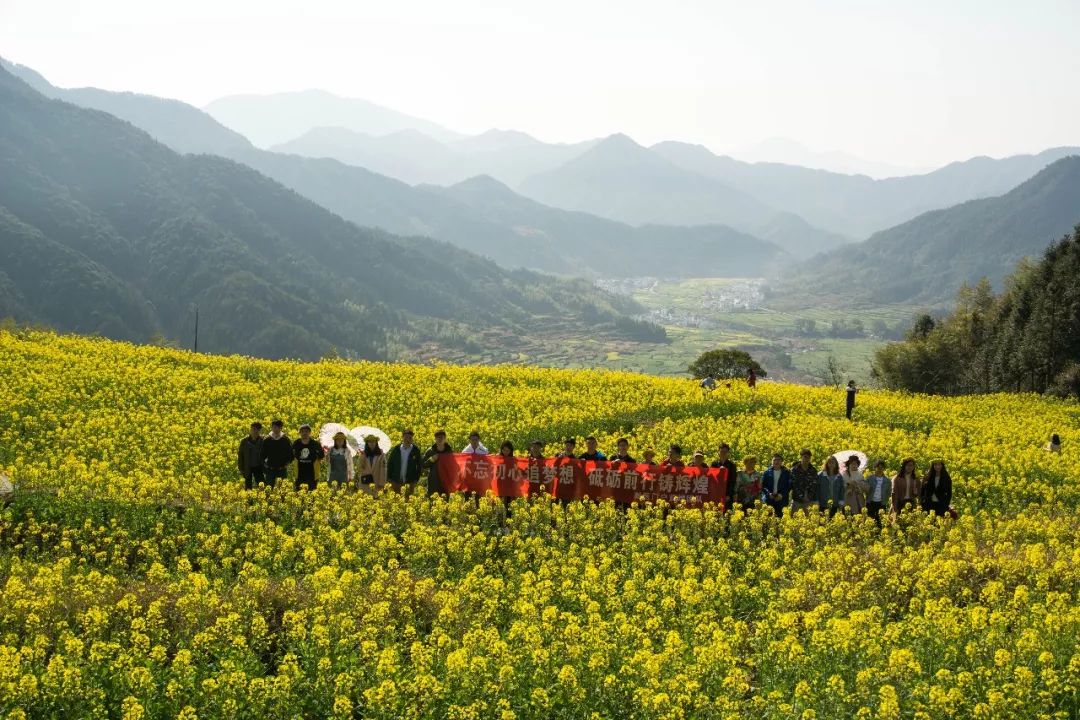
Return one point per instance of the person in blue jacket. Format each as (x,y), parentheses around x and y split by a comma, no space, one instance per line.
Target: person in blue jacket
(831,487)
(776,485)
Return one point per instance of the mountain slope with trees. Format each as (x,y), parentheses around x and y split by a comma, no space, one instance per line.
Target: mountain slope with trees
(105,230)
(1025,339)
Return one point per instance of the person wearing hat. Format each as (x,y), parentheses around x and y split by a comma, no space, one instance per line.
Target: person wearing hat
(674,458)
(648,457)
(698,460)
(591,453)
(277,453)
(403,464)
(568,449)
(475,447)
(308,452)
(880,487)
(249,457)
(854,485)
(431,461)
(622,452)
(339,461)
(371,464)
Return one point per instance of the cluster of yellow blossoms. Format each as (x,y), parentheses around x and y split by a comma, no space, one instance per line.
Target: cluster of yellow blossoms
(139,579)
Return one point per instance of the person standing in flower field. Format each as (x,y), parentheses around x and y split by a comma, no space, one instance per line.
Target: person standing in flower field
(804,483)
(475,447)
(906,486)
(751,379)
(776,485)
(249,457)
(622,452)
(854,486)
(723,460)
(830,487)
(748,483)
(372,466)
(879,489)
(936,491)
(568,450)
(339,460)
(648,457)
(591,453)
(851,390)
(431,461)
(277,453)
(403,464)
(674,458)
(308,453)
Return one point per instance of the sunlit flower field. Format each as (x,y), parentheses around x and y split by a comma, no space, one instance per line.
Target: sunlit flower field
(140,580)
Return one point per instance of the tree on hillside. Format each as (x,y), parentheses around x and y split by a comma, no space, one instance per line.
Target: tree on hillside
(725,365)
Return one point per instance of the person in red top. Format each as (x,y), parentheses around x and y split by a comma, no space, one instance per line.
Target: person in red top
(674,457)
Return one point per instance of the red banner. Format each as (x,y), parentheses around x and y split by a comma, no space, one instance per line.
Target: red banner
(568,479)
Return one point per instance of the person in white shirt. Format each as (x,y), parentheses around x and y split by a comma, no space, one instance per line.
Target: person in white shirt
(475,447)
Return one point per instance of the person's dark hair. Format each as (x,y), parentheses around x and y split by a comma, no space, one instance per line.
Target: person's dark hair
(569,441)
(879,464)
(930,471)
(904,464)
(440,433)
(590,437)
(620,441)
(725,446)
(850,383)
(777,455)
(258,425)
(1055,440)
(834,463)
(675,448)
(507,445)
(474,434)
(805,452)
(277,423)
(536,443)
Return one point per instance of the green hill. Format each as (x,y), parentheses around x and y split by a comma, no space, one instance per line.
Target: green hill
(104,230)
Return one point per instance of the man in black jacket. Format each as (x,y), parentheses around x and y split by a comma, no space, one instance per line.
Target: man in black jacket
(249,457)
(277,453)
(431,462)
(403,464)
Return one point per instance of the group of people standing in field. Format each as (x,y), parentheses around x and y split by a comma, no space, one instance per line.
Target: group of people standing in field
(801,487)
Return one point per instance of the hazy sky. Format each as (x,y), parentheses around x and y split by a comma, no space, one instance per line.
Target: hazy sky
(910,82)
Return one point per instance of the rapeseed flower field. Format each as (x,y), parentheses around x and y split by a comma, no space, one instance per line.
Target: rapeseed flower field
(140,580)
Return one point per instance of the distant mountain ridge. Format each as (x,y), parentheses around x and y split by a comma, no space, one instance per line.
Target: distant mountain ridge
(105,230)
(925,260)
(369,199)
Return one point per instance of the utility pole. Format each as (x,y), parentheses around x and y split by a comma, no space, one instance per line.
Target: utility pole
(196,349)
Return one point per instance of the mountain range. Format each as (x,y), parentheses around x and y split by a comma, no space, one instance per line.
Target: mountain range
(926,260)
(518,234)
(105,230)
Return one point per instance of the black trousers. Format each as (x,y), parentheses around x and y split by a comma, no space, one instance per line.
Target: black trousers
(873,509)
(253,477)
(849,409)
(274,474)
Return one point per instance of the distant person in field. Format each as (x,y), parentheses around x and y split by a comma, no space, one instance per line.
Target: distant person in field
(277,453)
(648,457)
(854,486)
(708,384)
(591,453)
(568,449)
(371,466)
(937,489)
(431,461)
(339,461)
(879,487)
(748,483)
(851,391)
(804,483)
(776,485)
(723,460)
(308,452)
(403,464)
(249,457)
(475,447)
(831,487)
(751,379)
(1054,445)
(622,452)
(674,458)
